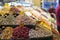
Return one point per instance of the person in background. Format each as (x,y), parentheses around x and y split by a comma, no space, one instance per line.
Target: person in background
(52,10)
(58,17)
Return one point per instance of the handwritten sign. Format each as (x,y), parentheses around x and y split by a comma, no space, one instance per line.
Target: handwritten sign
(47,4)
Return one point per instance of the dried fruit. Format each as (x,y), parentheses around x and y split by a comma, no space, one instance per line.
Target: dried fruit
(7,33)
(20,32)
(15,10)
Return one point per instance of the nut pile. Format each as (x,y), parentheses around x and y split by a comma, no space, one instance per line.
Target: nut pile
(38,33)
(24,19)
(20,19)
(9,20)
(7,33)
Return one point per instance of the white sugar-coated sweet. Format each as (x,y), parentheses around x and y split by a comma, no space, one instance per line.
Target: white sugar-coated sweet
(38,33)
